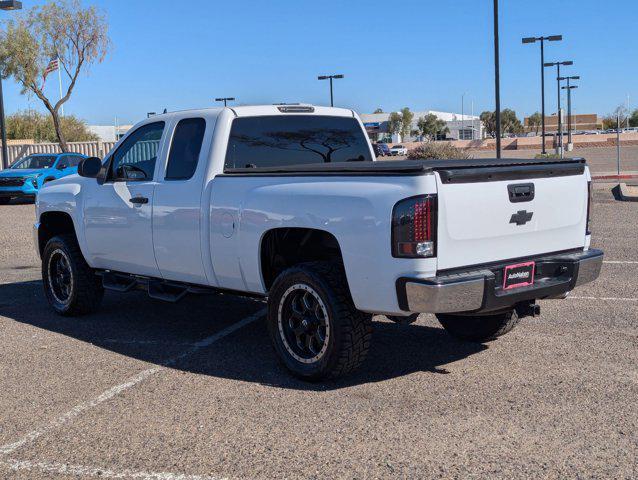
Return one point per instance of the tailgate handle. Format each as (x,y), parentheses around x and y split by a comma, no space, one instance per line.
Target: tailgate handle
(521,192)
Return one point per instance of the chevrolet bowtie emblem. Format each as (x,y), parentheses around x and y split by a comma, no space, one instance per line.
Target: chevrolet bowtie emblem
(521,217)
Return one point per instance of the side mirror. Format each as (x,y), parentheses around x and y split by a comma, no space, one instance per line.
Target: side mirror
(89,167)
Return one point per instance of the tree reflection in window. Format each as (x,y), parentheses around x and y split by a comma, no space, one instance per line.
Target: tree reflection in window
(279,140)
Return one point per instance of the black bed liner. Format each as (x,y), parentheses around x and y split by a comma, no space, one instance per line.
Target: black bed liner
(450,171)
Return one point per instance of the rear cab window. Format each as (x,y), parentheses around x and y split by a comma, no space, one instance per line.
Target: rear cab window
(185,149)
(281,140)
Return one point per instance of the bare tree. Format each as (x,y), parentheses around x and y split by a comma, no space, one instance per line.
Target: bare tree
(323,143)
(77,37)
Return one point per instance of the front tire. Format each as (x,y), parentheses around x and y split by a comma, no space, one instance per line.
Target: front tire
(71,286)
(314,326)
(5,200)
(478,328)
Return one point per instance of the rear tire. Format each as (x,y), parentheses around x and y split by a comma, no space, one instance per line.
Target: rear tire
(478,328)
(71,286)
(314,326)
(5,200)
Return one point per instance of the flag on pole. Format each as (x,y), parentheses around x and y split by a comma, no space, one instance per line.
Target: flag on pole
(54,64)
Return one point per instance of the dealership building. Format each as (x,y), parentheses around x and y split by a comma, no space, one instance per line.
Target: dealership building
(581,121)
(461,127)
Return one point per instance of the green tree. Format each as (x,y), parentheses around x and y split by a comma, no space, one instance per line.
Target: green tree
(534,122)
(39,127)
(406,121)
(609,122)
(401,122)
(432,126)
(509,122)
(62,30)
(394,123)
(633,119)
(378,110)
(489,122)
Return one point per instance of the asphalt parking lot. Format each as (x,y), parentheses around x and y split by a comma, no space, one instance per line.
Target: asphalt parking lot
(149,390)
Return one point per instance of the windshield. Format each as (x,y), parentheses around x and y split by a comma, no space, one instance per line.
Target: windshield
(40,161)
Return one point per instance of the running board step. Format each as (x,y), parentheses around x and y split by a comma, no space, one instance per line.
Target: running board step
(166,292)
(118,283)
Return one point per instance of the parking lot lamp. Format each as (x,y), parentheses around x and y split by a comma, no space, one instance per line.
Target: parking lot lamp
(549,38)
(569,89)
(5,5)
(225,100)
(330,77)
(497,83)
(560,122)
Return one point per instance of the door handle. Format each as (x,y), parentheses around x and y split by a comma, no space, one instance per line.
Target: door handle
(138,200)
(521,192)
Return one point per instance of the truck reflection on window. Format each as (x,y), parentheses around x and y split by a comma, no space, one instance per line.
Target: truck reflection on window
(272,141)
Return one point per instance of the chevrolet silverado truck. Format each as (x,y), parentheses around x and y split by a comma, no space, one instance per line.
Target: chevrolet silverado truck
(288,203)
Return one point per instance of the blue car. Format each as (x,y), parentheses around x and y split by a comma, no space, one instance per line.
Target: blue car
(381,149)
(26,176)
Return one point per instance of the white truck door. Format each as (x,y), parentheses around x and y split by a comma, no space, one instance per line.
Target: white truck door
(118,213)
(177,204)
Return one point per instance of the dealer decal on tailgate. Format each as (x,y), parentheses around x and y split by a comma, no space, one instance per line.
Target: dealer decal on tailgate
(518,275)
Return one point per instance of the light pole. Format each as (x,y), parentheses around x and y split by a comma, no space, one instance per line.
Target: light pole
(225,100)
(330,77)
(569,89)
(5,5)
(550,38)
(497,83)
(560,121)
(462,114)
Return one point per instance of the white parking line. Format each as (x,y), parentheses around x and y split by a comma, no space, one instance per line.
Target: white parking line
(147,342)
(85,471)
(131,382)
(620,262)
(616,299)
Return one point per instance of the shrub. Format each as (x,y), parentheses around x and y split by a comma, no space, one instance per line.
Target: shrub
(547,155)
(39,127)
(437,150)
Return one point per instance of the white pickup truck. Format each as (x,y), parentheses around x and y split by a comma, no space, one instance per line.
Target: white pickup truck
(287,202)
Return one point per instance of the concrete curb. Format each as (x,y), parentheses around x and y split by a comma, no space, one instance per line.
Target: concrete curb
(615,177)
(627,193)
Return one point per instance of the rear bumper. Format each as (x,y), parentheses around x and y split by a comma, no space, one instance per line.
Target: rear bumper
(480,289)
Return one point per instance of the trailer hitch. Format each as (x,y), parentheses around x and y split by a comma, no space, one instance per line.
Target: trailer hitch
(527,309)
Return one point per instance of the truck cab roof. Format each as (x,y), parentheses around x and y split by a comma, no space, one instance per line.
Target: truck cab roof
(261,110)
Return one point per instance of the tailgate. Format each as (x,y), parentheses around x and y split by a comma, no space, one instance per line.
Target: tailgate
(508,212)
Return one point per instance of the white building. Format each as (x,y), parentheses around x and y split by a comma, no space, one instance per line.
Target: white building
(109,133)
(461,127)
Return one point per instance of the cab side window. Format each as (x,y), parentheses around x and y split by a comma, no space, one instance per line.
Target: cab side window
(63,162)
(185,148)
(68,161)
(135,159)
(74,160)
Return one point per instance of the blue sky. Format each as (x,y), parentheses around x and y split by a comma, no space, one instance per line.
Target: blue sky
(422,54)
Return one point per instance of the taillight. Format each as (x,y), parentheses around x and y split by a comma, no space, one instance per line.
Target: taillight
(589,208)
(414,227)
